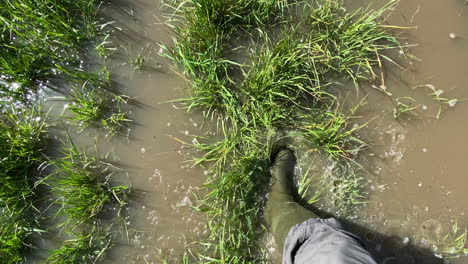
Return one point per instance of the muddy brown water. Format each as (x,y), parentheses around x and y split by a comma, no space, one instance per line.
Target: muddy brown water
(419,184)
(418,181)
(161,220)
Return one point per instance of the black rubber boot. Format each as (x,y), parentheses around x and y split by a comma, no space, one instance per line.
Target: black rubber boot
(281,211)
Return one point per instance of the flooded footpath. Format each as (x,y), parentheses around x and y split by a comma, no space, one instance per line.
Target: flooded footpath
(417,178)
(160,218)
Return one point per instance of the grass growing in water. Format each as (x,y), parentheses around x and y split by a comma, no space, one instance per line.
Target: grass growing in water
(80,185)
(100,108)
(329,132)
(22,137)
(284,83)
(350,44)
(204,29)
(13,234)
(89,247)
(454,243)
(42,45)
(41,39)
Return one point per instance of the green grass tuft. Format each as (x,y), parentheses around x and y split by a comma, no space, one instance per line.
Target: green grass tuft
(81,186)
(99,108)
(13,234)
(22,138)
(90,247)
(453,244)
(43,45)
(42,39)
(349,44)
(331,133)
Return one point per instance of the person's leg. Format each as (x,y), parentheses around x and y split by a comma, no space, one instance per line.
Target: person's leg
(281,211)
(324,241)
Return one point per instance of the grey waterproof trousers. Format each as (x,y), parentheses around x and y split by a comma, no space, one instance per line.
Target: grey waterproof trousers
(323,241)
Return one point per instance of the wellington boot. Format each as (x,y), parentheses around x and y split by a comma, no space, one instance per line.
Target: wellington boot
(281,211)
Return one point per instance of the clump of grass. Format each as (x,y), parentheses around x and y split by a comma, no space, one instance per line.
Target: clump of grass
(200,53)
(234,202)
(281,79)
(330,132)
(284,84)
(41,39)
(350,44)
(203,29)
(90,247)
(81,186)
(454,243)
(22,137)
(13,234)
(42,45)
(97,107)
(223,16)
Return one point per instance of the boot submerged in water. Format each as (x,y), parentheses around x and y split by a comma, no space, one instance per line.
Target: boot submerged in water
(281,211)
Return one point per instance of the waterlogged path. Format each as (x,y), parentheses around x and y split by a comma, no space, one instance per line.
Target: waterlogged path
(161,220)
(418,183)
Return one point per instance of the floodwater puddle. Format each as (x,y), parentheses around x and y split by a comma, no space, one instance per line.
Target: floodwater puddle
(417,185)
(161,220)
(416,180)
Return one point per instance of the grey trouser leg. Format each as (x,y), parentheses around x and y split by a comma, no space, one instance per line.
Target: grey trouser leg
(323,241)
